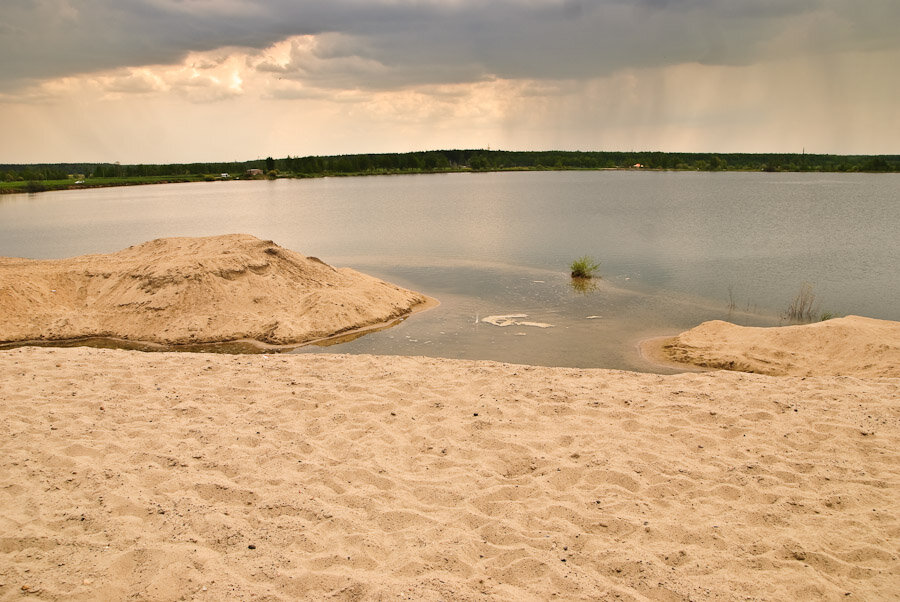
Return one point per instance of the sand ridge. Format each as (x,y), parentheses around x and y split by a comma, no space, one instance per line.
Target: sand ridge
(193,290)
(209,477)
(849,346)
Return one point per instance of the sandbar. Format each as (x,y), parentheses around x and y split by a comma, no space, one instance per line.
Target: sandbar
(848,346)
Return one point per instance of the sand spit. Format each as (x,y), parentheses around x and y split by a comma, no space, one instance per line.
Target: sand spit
(210,477)
(850,346)
(193,290)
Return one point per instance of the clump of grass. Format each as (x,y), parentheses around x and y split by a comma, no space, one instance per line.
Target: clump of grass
(827,315)
(584,267)
(802,308)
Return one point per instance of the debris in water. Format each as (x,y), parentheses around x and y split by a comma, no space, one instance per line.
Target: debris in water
(513,320)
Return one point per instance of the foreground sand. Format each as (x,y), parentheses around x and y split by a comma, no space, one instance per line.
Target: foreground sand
(193,290)
(189,476)
(849,346)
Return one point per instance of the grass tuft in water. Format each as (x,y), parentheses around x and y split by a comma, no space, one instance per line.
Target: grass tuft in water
(584,267)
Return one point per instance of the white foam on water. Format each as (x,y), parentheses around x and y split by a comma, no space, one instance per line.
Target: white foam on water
(513,320)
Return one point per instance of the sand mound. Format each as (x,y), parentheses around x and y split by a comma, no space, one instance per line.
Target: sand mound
(850,346)
(193,290)
(167,476)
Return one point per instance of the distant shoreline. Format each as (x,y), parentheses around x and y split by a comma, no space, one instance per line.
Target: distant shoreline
(51,185)
(35,186)
(30,178)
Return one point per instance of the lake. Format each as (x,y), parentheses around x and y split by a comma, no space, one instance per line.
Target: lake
(676,248)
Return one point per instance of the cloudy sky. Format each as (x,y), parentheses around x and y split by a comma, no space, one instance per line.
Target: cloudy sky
(207,80)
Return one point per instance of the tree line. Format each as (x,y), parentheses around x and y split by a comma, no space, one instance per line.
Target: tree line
(62,171)
(459,160)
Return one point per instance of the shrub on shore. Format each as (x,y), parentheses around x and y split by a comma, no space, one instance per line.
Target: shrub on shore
(34,186)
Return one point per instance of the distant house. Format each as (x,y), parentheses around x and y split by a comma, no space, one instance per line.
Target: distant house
(224,176)
(637,166)
(254,172)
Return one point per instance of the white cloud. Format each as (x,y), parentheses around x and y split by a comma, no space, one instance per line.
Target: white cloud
(132,81)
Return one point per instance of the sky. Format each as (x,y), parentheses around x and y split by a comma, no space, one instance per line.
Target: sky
(164,81)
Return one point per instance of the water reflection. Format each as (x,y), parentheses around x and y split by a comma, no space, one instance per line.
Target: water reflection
(677,248)
(532,316)
(228,347)
(583,286)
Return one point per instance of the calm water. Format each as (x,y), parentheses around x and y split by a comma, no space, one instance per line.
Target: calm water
(676,248)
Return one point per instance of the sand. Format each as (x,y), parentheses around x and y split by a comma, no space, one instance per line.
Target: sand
(189,476)
(164,476)
(193,290)
(850,346)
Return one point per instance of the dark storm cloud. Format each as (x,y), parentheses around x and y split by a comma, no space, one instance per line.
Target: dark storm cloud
(390,43)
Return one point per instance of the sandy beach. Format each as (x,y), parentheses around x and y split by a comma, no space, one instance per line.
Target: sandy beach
(192,476)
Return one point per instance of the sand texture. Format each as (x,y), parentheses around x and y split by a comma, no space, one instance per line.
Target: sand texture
(192,290)
(128,475)
(850,346)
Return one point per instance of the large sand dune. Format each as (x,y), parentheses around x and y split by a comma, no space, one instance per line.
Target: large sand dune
(850,346)
(127,475)
(193,290)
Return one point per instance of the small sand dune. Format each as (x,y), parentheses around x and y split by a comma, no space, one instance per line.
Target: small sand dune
(127,475)
(193,290)
(850,346)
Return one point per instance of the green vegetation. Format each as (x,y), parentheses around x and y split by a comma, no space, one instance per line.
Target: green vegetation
(485,160)
(14,178)
(32,186)
(584,267)
(68,183)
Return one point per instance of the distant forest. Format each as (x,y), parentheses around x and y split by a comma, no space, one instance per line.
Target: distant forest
(439,161)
